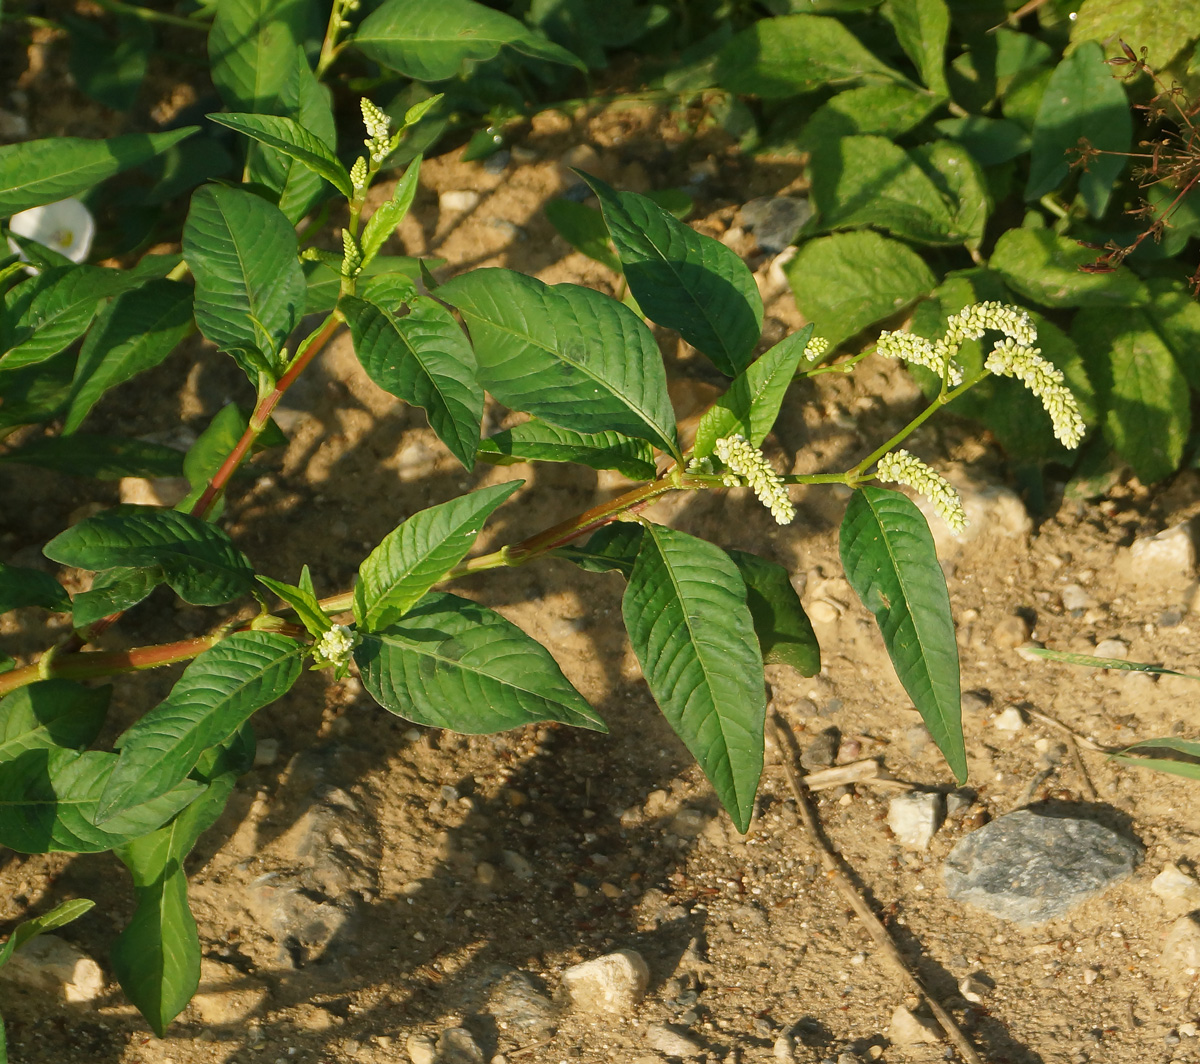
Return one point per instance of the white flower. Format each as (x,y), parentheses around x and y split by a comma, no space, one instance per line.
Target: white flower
(973,321)
(815,349)
(901,467)
(66,227)
(378,125)
(334,647)
(747,464)
(1045,380)
(935,355)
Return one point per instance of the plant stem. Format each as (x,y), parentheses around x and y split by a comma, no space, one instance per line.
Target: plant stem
(118,7)
(329,46)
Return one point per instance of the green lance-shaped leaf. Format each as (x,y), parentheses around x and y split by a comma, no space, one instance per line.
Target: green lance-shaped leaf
(157,957)
(200,561)
(216,695)
(432,42)
(315,620)
(383,222)
(888,554)
(51,713)
(133,334)
(451,663)
(251,49)
(45,171)
(785,634)
(1082,102)
(868,180)
(250,289)
(780,57)
(847,281)
(922,27)
(751,404)
(57,917)
(325,282)
(1185,762)
(114,591)
(686,614)
(565,354)
(613,548)
(296,142)
(424,359)
(102,457)
(536,441)
(30,587)
(681,279)
(1141,389)
(48,800)
(419,553)
(584,229)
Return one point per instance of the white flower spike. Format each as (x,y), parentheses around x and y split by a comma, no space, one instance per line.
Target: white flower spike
(1045,380)
(747,465)
(66,227)
(901,467)
(334,647)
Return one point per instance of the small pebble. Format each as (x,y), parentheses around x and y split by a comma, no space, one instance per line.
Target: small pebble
(614,983)
(1009,720)
(485,873)
(1010,632)
(785,1048)
(1180,893)
(907,1029)
(914,818)
(421,1049)
(1112,648)
(459,200)
(1188,1030)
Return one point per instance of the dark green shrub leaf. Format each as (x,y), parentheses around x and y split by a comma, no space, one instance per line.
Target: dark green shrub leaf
(114,591)
(779,57)
(45,171)
(1176,318)
(1142,392)
(1083,102)
(565,354)
(108,67)
(847,281)
(1165,29)
(134,333)
(922,27)
(50,796)
(584,229)
(215,696)
(785,634)
(250,289)
(686,614)
(293,140)
(888,110)
(424,359)
(324,283)
(30,587)
(103,457)
(751,404)
(383,222)
(683,280)
(613,548)
(867,180)
(251,49)
(1044,267)
(433,42)
(963,187)
(451,663)
(50,714)
(990,140)
(418,553)
(36,394)
(536,441)
(200,561)
(888,554)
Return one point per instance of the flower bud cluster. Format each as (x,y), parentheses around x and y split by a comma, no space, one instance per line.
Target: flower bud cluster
(935,355)
(748,465)
(1046,381)
(815,349)
(358,175)
(334,647)
(351,255)
(901,467)
(379,126)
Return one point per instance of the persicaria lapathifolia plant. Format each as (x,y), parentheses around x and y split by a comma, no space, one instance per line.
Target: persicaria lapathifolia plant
(586,370)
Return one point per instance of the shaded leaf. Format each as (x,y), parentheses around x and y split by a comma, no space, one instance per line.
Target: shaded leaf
(887,109)
(889,558)
(1045,267)
(990,140)
(536,441)
(1186,761)
(51,713)
(30,587)
(293,140)
(324,283)
(251,48)
(584,229)
(57,917)
(103,457)
(451,663)
(922,27)
(785,634)
(114,591)
(686,614)
(418,553)
(613,548)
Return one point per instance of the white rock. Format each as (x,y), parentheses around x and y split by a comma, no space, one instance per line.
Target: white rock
(1009,720)
(421,1049)
(1181,950)
(156,491)
(785,1048)
(1168,558)
(1112,648)
(914,818)
(909,1030)
(614,983)
(459,200)
(456,1045)
(672,1043)
(54,965)
(1180,892)
(974,990)
(1075,598)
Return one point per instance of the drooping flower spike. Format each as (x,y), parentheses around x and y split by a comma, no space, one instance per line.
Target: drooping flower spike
(901,467)
(747,465)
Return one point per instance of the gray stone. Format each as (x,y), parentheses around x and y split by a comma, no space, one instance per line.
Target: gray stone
(614,983)
(672,1042)
(456,1045)
(520,1001)
(1029,868)
(822,751)
(776,220)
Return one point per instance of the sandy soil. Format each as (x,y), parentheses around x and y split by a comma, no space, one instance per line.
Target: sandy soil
(375,880)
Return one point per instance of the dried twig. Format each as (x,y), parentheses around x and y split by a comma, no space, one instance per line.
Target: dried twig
(1076,742)
(834,870)
(866,771)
